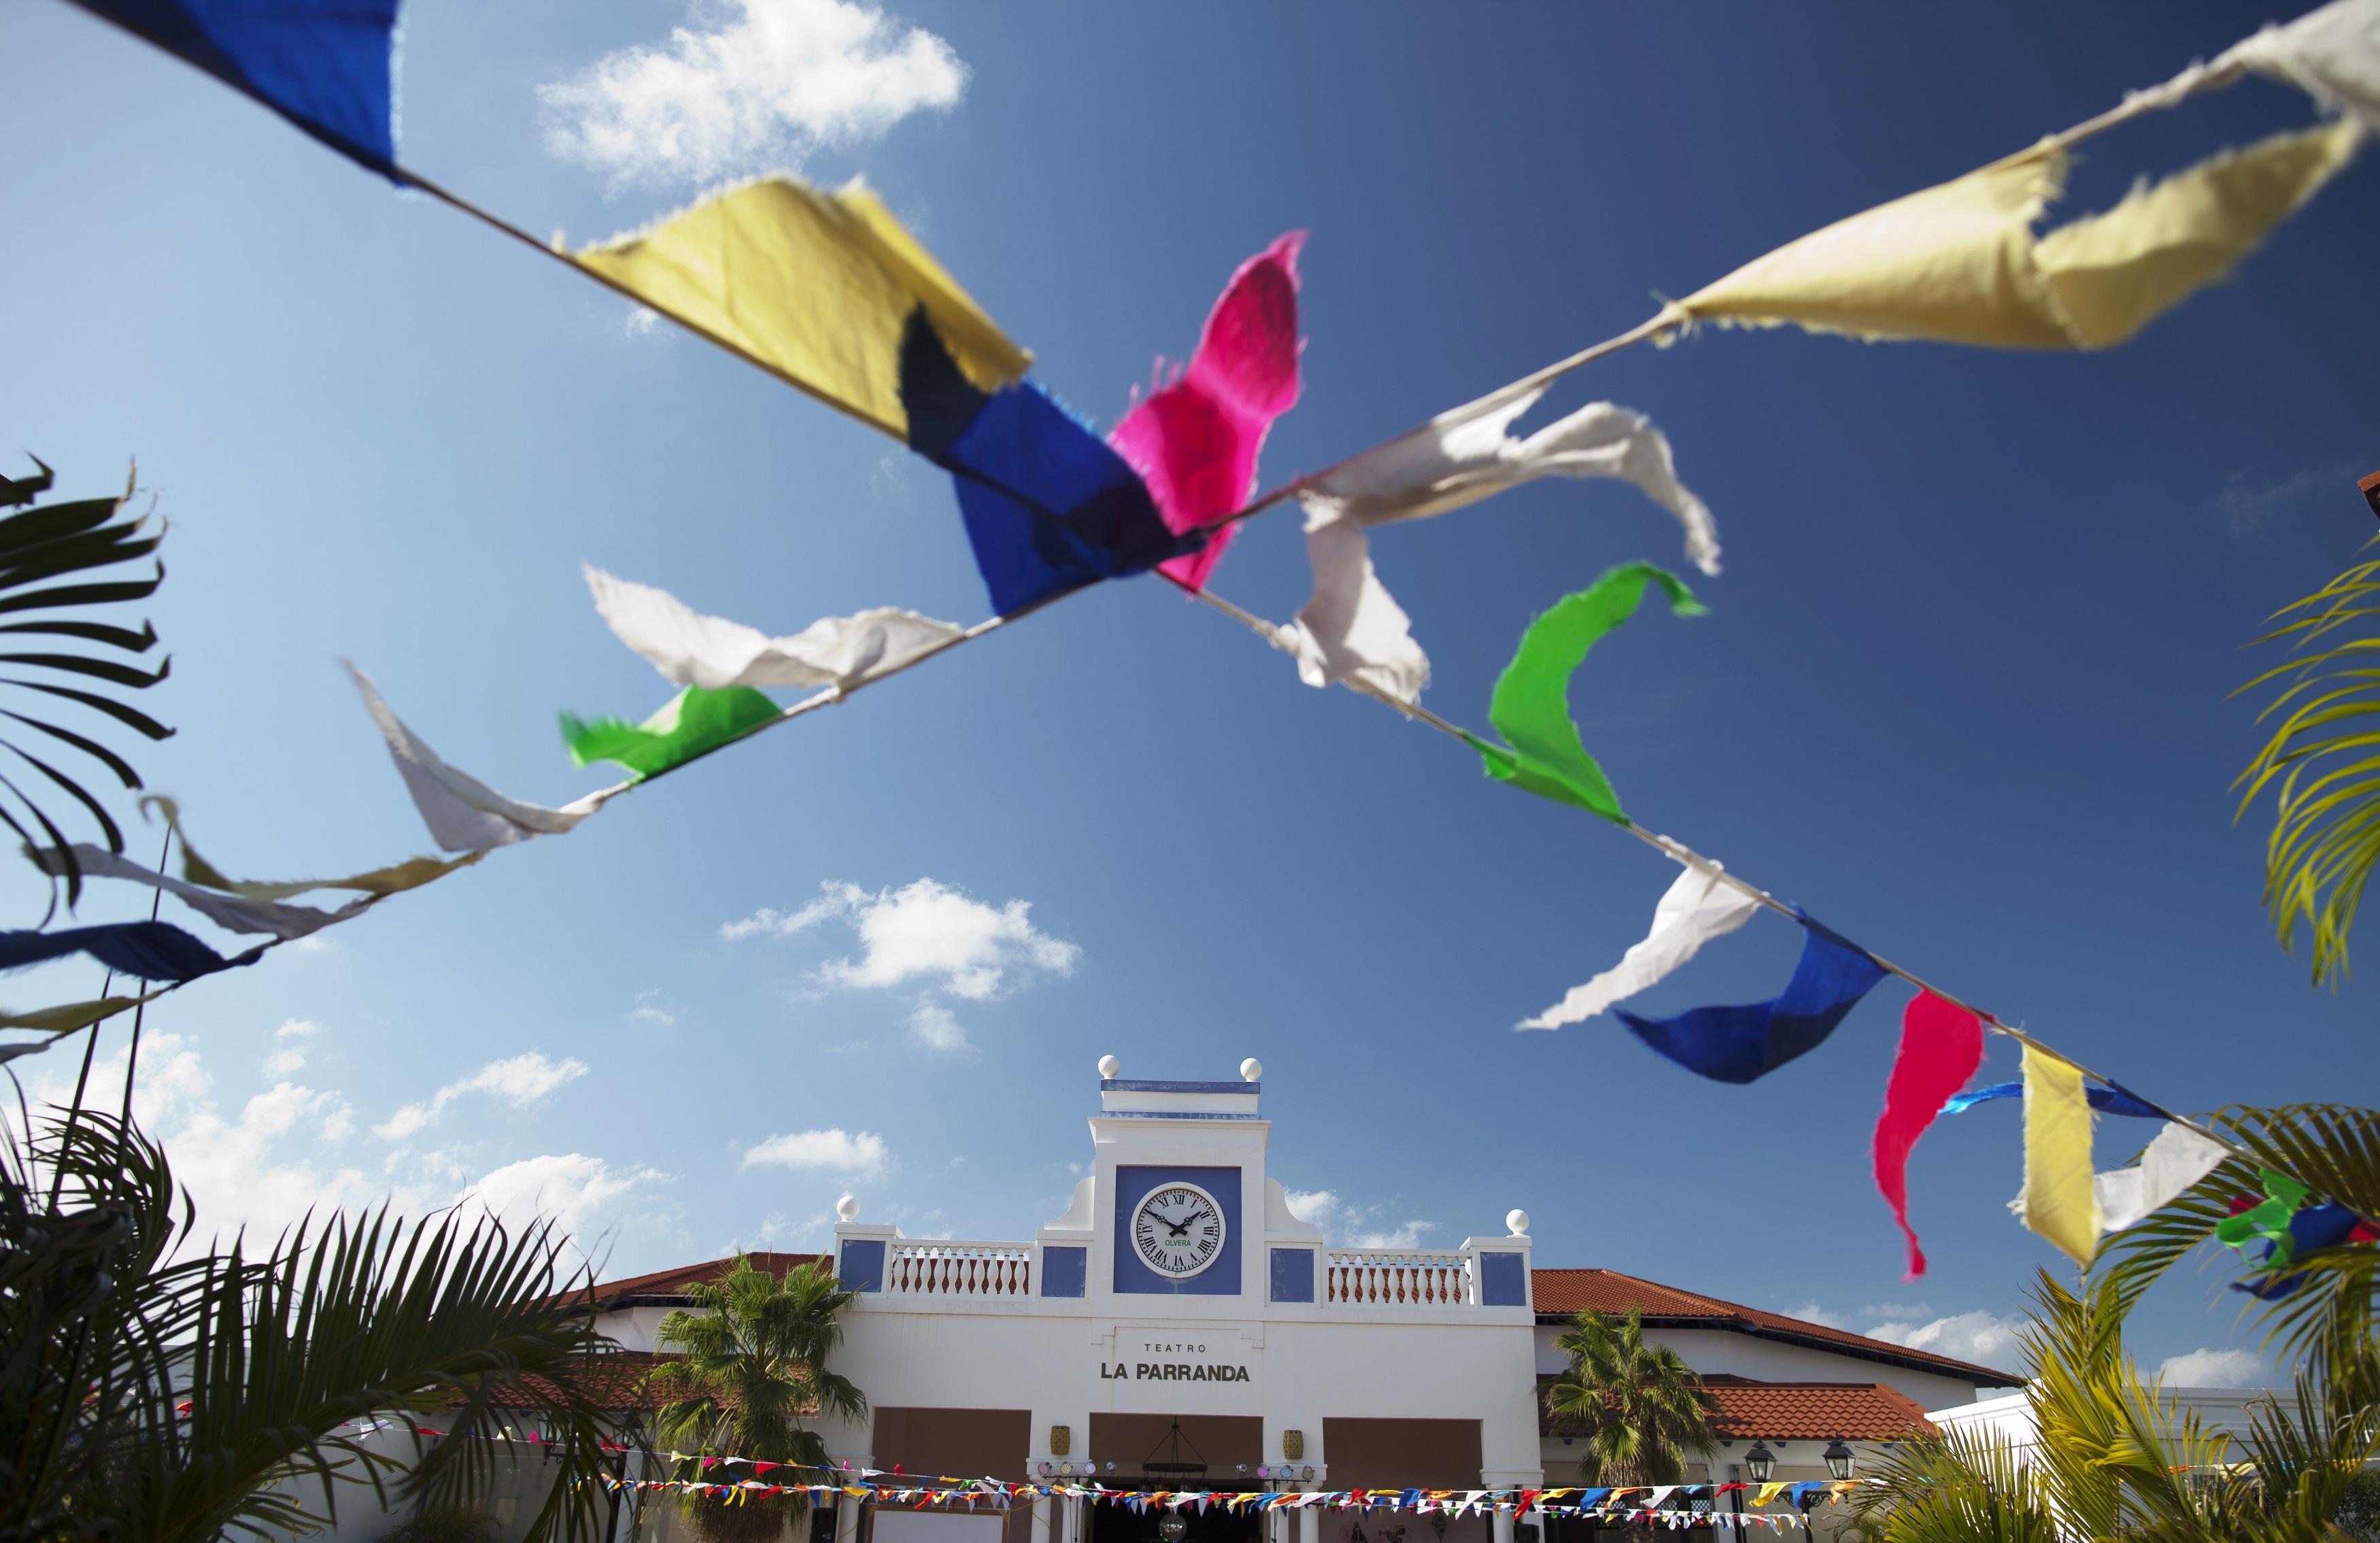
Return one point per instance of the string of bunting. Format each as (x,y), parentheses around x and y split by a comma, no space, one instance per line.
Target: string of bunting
(879,1485)
(842,302)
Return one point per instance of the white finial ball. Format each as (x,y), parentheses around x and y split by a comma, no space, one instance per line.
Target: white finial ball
(848,1207)
(1518,1222)
(1110,1066)
(1251,1070)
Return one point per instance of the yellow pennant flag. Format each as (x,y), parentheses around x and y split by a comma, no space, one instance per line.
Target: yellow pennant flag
(1958,262)
(814,288)
(1769,1492)
(74,1014)
(2111,275)
(2059,1202)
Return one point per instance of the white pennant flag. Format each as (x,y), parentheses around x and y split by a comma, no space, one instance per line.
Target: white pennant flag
(1468,454)
(2332,54)
(2178,1158)
(1699,906)
(1352,628)
(691,648)
(464,814)
(233,913)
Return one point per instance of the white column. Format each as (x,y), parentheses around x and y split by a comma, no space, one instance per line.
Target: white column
(847,1519)
(1041,1523)
(1309,1524)
(1503,1527)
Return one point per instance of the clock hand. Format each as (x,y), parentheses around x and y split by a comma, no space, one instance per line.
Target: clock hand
(1182,1228)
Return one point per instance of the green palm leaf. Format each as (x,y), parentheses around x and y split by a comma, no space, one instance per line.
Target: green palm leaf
(2322,759)
(1640,1412)
(748,1365)
(157,1389)
(37,546)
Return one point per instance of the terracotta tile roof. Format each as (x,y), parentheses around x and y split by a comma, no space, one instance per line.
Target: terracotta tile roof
(615,1375)
(617,1378)
(1560,1293)
(1751,1411)
(660,1286)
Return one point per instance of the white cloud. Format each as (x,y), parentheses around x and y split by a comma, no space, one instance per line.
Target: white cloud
(834,1150)
(924,932)
(1811,1312)
(768,83)
(571,1189)
(641,321)
(2215,1368)
(1985,1339)
(518,1080)
(276,1161)
(932,1027)
(1350,1224)
(650,1009)
(288,1054)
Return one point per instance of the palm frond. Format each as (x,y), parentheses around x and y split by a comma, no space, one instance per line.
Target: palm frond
(2333,1149)
(2324,753)
(173,1400)
(38,545)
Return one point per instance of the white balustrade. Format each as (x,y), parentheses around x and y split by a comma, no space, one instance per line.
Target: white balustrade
(943,1268)
(1397,1278)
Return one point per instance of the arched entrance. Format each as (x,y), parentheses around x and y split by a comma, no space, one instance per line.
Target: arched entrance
(1169,1451)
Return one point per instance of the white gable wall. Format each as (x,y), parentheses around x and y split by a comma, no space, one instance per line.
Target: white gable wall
(1725,1353)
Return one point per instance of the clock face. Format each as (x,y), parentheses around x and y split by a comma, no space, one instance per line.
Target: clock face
(1178,1231)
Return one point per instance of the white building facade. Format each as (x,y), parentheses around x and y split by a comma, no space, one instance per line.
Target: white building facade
(1177,1328)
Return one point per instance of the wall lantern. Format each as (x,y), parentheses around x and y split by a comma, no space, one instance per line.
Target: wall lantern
(1760,1463)
(1293,1444)
(1061,1439)
(1839,1459)
(1307,1473)
(1172,1529)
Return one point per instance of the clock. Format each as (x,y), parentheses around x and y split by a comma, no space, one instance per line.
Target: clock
(1177,1230)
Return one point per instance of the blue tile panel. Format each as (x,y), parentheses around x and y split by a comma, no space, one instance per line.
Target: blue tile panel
(1502,1284)
(1292,1275)
(860,1265)
(1133,1185)
(1065,1271)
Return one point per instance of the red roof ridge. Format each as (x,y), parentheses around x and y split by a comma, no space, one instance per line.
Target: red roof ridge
(1690,1303)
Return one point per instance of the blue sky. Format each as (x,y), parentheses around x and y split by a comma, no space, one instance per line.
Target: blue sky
(1961,692)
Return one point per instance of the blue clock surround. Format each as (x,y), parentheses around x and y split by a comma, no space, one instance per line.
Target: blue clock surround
(1219,1278)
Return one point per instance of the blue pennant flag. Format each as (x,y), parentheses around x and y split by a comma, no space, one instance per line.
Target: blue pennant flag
(2110,1100)
(144,950)
(2325,1226)
(1048,505)
(1743,1044)
(324,65)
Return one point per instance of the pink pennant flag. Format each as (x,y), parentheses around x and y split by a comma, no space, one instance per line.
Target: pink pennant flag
(1194,442)
(1941,1045)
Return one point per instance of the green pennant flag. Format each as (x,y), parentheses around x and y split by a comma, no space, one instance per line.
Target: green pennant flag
(1531,707)
(2269,1220)
(691,723)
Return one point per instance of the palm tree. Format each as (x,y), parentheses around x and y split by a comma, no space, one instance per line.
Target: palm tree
(750,1363)
(2110,1458)
(156,1390)
(1642,1409)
